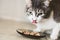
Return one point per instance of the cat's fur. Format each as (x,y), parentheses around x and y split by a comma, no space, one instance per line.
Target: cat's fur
(45,14)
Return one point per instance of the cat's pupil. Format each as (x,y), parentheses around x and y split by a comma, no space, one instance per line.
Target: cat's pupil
(30,12)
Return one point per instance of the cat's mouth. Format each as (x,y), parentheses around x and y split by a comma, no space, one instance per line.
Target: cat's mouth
(34,22)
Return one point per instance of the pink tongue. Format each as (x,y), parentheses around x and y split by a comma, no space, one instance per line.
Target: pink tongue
(34,21)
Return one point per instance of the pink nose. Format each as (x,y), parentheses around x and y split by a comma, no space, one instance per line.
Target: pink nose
(34,21)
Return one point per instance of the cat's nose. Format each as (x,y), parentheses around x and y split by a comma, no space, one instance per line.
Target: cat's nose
(34,21)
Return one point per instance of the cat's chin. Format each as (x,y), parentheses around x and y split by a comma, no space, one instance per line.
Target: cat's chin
(34,23)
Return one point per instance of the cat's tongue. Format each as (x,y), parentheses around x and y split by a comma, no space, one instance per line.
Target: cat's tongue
(34,22)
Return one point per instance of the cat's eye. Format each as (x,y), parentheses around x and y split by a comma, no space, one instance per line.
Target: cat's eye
(29,13)
(39,14)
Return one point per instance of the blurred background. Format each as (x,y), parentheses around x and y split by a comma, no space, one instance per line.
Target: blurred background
(13,10)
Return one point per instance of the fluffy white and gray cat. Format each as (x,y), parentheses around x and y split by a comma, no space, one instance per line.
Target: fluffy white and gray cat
(45,14)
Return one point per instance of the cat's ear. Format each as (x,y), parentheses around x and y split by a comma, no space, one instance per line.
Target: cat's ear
(47,2)
(28,3)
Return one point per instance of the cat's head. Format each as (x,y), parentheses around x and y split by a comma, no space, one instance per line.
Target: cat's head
(38,9)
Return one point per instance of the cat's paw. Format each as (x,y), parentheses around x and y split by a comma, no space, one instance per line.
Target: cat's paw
(51,39)
(53,36)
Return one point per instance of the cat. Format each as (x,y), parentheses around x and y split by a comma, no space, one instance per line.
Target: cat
(45,14)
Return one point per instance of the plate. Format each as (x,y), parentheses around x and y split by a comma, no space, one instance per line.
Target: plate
(30,33)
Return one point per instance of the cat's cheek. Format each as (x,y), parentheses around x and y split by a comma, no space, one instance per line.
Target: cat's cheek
(30,18)
(39,19)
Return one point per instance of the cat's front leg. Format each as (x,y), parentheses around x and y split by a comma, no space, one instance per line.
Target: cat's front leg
(38,28)
(54,34)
